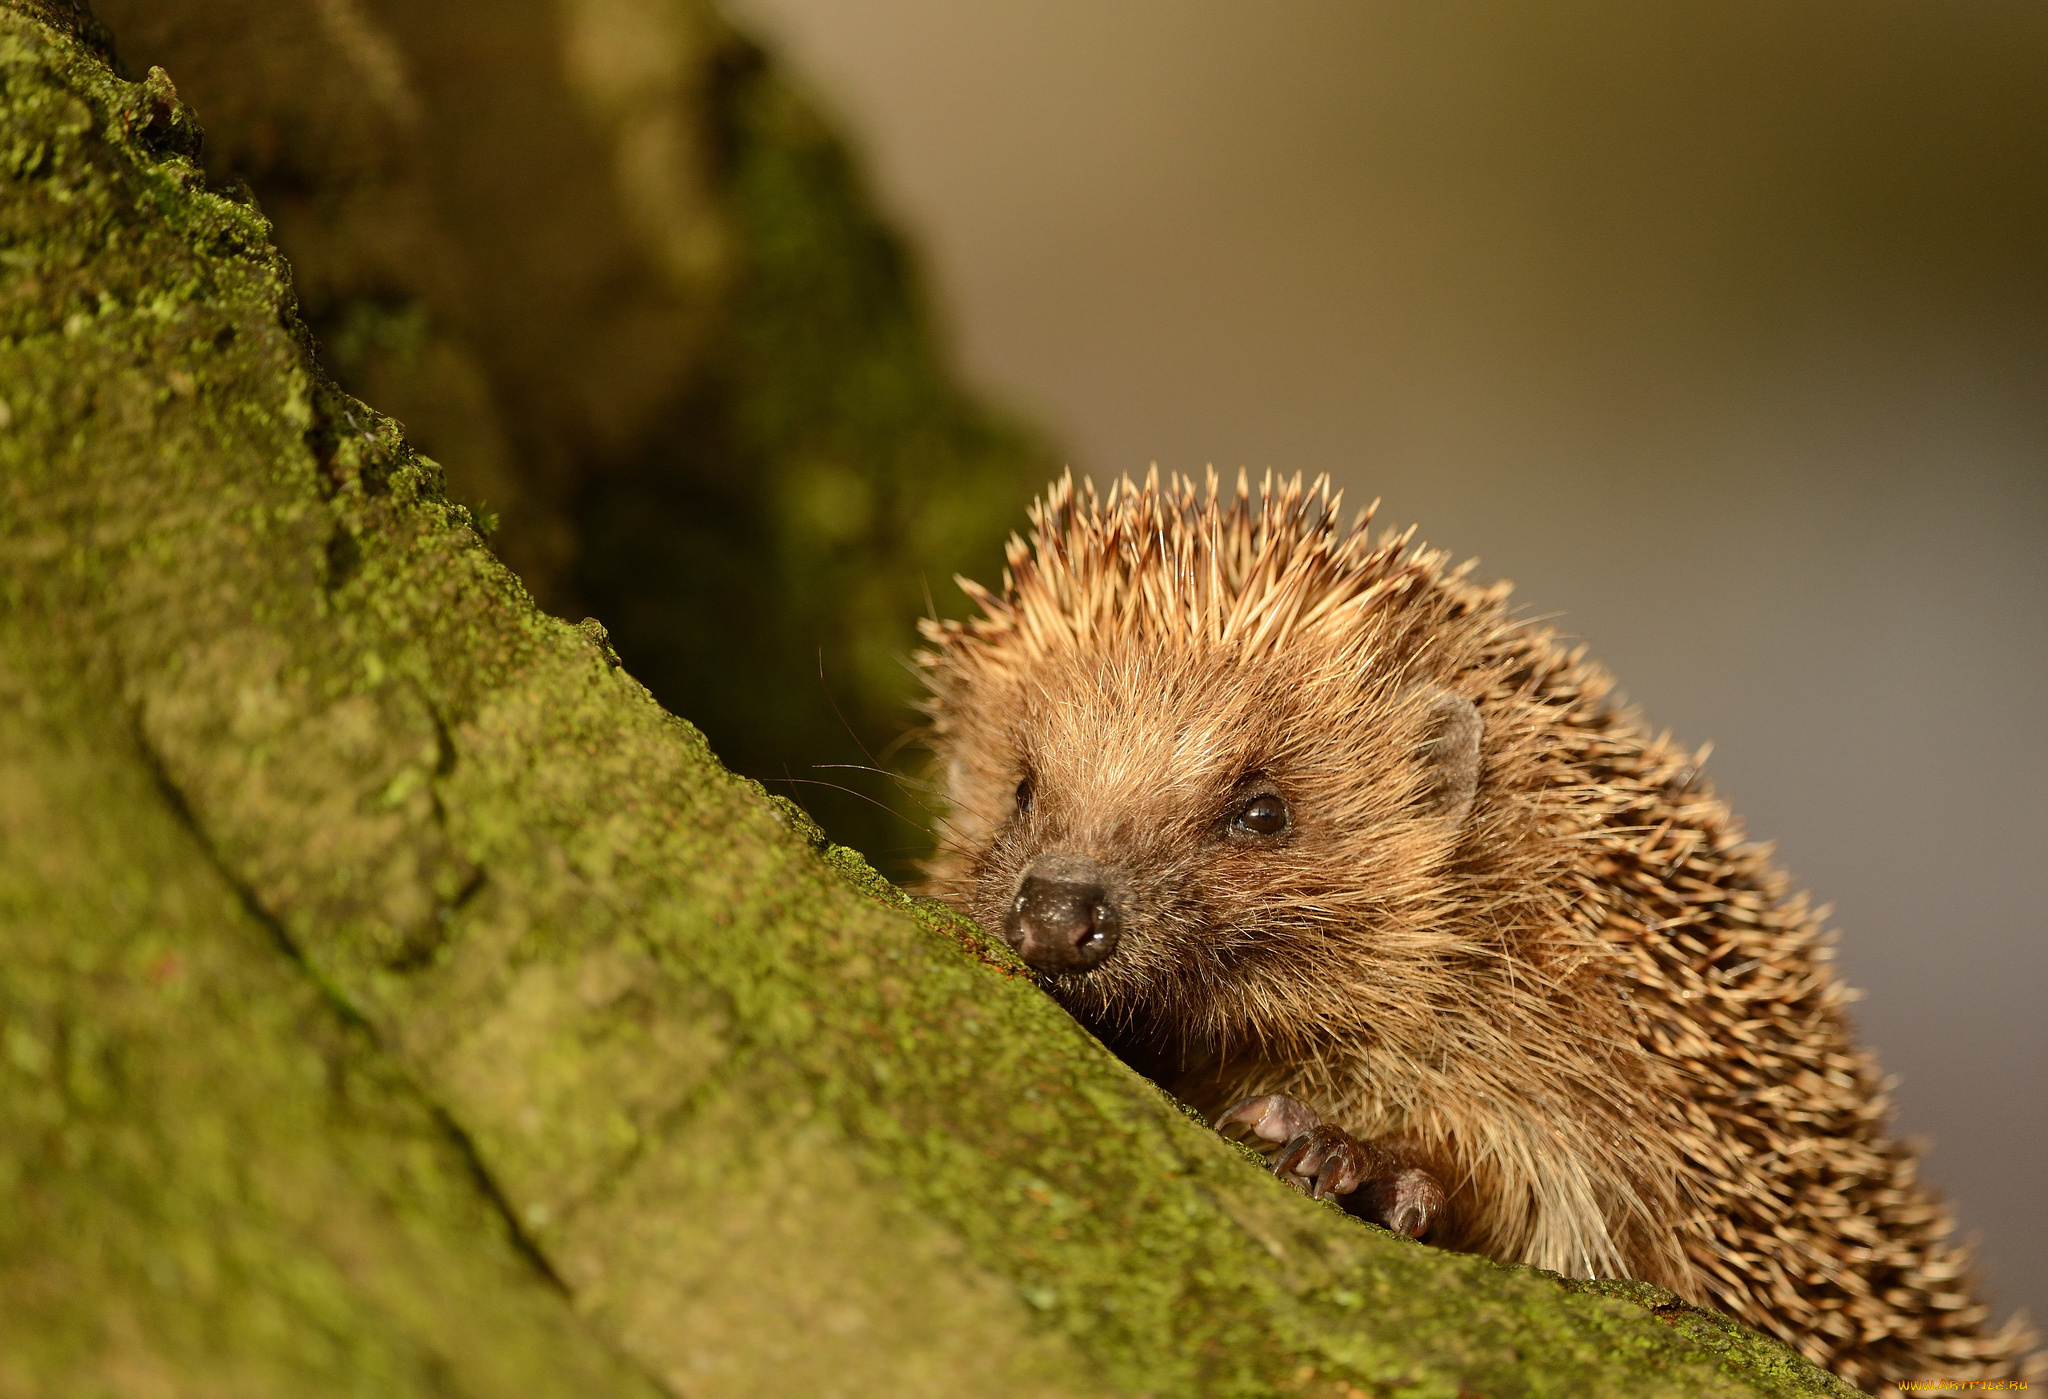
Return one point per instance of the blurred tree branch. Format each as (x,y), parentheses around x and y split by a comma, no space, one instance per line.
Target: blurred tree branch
(619,280)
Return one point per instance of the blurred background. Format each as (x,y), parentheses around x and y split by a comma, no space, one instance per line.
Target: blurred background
(1723,330)
(1720,328)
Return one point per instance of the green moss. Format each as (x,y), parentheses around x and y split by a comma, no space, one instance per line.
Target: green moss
(455,889)
(209,1172)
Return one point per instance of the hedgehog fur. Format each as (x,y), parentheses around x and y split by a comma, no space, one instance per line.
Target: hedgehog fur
(1577,984)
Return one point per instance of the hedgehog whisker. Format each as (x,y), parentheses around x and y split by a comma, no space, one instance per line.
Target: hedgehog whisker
(910,787)
(851,792)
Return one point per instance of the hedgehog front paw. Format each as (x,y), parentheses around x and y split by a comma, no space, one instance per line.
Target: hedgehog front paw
(1267,1122)
(1307,1152)
(1406,1201)
(1325,1161)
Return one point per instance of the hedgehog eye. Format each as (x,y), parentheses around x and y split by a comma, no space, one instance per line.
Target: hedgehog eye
(1024,797)
(1263,815)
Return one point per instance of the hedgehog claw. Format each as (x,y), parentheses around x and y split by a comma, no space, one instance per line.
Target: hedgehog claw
(1325,1161)
(1407,1201)
(1268,1122)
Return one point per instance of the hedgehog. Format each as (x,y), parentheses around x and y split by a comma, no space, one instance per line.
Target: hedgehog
(1311,829)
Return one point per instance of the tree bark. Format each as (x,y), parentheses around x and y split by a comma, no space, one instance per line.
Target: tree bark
(395,999)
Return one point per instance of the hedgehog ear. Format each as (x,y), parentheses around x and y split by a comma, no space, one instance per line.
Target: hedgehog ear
(1451,752)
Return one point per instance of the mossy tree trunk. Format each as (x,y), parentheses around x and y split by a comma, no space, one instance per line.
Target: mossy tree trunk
(395,1000)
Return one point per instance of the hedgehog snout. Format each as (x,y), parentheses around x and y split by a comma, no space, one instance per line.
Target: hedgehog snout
(1062,917)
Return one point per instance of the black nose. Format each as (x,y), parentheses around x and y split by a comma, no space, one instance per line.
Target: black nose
(1062,919)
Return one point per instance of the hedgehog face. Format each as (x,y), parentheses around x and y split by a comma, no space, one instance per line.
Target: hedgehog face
(1180,841)
(1206,770)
